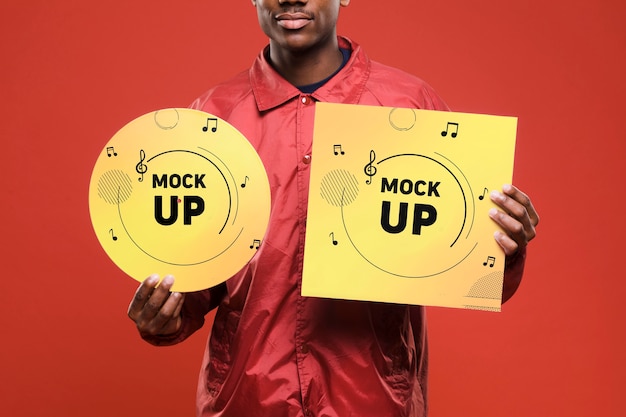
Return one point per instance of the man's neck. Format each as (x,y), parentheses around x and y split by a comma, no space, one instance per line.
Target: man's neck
(306,67)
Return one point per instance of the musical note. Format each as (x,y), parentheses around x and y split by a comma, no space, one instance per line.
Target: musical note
(337,149)
(452,134)
(332,237)
(481,197)
(141,168)
(490,260)
(111,151)
(214,128)
(255,244)
(112,235)
(245,181)
(370,169)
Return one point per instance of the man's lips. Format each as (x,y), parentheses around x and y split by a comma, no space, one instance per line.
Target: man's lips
(293,21)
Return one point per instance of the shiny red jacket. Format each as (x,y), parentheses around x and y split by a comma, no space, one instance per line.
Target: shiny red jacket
(271,351)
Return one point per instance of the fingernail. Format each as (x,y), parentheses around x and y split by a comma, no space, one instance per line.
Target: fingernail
(152,279)
(496,195)
(493,212)
(168,280)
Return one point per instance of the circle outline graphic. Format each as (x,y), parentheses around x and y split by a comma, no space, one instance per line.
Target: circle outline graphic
(463,226)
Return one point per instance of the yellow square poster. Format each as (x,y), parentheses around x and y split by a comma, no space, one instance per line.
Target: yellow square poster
(398,206)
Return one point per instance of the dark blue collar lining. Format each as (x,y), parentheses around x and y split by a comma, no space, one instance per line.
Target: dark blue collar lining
(310,88)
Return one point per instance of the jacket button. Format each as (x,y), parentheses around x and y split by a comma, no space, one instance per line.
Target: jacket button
(304,349)
(305,99)
(306,159)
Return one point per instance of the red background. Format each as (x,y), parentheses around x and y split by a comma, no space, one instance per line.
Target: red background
(74,72)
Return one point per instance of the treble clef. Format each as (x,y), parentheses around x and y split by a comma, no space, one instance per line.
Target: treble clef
(141,168)
(370,169)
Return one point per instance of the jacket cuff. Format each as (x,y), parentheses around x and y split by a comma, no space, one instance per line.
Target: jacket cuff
(513,272)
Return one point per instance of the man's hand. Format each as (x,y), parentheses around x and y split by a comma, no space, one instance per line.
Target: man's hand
(154,309)
(517,218)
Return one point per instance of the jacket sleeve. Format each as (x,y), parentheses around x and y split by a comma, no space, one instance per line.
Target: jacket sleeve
(195,307)
(420,337)
(513,271)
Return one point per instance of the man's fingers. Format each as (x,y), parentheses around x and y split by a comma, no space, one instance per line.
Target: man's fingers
(521,198)
(141,296)
(508,245)
(157,298)
(519,217)
(180,299)
(514,235)
(166,320)
(154,309)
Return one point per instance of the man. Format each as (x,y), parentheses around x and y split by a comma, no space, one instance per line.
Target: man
(273,352)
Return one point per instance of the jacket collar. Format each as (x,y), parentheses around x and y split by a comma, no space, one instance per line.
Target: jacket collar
(271,89)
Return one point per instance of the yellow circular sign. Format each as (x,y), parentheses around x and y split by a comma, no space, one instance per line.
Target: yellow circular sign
(181,192)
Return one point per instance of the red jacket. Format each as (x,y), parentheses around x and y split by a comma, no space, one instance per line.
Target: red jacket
(273,352)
